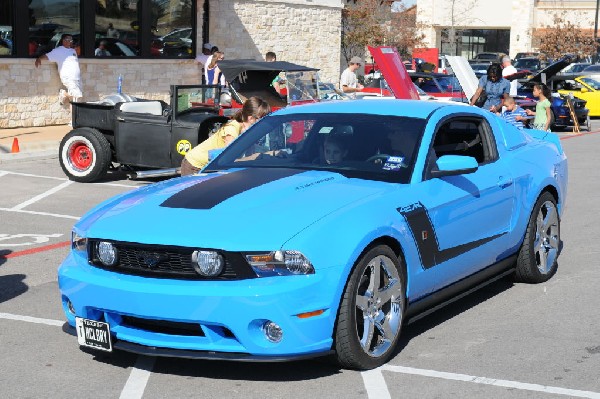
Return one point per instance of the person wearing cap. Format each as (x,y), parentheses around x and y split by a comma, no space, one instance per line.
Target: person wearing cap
(348,81)
(507,70)
(202,59)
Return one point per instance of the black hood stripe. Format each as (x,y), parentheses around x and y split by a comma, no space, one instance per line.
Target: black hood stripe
(211,192)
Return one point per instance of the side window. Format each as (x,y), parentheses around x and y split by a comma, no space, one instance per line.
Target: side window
(466,136)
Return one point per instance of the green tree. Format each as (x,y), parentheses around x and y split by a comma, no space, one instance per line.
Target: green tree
(378,23)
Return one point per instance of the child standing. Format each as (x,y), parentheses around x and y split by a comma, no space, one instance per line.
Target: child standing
(513,113)
(542,109)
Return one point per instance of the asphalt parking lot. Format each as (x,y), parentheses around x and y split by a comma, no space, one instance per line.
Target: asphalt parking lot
(505,341)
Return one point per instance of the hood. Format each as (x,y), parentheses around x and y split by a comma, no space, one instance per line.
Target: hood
(551,69)
(261,208)
(464,73)
(395,73)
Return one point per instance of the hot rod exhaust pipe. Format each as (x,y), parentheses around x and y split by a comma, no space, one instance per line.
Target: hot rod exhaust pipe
(143,174)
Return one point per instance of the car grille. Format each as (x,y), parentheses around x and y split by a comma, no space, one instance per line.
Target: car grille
(163,327)
(174,262)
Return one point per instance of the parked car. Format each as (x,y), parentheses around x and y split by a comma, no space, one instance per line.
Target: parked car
(299,257)
(487,57)
(149,138)
(525,64)
(573,70)
(480,69)
(586,88)
(526,55)
(590,70)
(177,43)
(444,66)
(439,85)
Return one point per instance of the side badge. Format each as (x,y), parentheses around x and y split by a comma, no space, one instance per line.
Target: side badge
(183,146)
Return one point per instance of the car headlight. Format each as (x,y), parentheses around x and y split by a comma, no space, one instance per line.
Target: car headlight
(107,253)
(78,242)
(208,263)
(280,263)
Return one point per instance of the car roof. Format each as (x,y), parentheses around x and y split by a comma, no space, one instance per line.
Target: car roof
(408,108)
(232,68)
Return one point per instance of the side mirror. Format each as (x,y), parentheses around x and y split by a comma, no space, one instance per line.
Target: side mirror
(452,165)
(584,90)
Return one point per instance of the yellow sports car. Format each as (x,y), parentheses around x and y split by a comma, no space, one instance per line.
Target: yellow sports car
(585,87)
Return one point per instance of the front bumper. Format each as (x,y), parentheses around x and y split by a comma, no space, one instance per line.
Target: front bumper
(228,314)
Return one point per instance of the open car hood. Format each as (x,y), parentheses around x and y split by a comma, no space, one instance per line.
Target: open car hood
(551,69)
(395,73)
(464,73)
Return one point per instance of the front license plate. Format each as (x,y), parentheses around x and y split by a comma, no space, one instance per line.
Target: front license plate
(93,334)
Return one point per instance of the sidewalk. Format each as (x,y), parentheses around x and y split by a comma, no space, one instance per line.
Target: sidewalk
(32,141)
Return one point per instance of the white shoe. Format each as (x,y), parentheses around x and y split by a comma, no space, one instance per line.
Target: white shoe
(62,95)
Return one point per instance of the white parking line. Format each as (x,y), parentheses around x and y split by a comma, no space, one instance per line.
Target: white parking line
(42,196)
(138,379)
(140,373)
(373,379)
(29,319)
(6,172)
(56,215)
(377,382)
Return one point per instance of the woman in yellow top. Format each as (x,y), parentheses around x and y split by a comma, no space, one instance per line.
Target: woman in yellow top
(254,108)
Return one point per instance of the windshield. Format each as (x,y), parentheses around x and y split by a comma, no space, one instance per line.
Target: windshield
(594,83)
(525,63)
(302,86)
(374,147)
(188,98)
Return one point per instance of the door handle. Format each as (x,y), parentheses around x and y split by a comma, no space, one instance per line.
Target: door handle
(504,182)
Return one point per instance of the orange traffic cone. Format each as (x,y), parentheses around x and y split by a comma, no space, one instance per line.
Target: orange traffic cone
(15,146)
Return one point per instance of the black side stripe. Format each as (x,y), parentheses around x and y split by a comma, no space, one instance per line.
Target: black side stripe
(418,220)
(211,192)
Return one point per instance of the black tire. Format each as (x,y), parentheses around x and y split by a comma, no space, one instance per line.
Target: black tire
(380,268)
(588,124)
(84,155)
(537,259)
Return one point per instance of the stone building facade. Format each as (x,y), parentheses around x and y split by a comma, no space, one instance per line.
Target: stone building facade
(520,17)
(301,31)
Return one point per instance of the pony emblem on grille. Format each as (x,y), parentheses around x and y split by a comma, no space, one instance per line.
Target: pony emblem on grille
(151,259)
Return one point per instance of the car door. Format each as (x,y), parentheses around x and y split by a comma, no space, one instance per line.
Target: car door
(465,218)
(142,135)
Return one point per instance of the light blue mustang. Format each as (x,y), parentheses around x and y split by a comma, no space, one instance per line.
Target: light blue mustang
(320,230)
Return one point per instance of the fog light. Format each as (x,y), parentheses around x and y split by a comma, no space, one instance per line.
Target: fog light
(71,307)
(107,253)
(272,331)
(208,263)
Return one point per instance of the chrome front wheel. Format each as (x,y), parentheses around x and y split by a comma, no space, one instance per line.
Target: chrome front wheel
(372,309)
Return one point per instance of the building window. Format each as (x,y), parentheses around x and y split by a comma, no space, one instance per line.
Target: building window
(101,28)
(6,30)
(48,20)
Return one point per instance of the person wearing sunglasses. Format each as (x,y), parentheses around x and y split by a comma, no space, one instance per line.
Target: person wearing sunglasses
(495,87)
(66,58)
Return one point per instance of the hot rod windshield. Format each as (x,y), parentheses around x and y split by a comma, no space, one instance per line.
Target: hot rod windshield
(302,86)
(376,147)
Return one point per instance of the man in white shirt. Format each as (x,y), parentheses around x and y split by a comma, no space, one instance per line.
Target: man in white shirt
(65,57)
(348,81)
(507,70)
(203,59)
